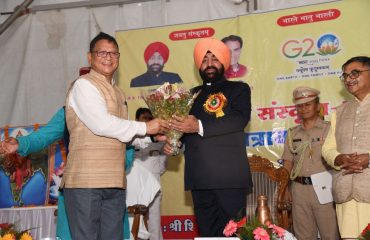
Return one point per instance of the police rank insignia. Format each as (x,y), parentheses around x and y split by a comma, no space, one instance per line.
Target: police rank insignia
(215,103)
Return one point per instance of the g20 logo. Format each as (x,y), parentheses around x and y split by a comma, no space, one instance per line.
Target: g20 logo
(327,44)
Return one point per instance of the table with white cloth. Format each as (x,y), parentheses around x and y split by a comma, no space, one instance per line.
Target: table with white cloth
(40,220)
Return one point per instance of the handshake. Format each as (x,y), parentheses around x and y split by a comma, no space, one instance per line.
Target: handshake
(169,131)
(173,130)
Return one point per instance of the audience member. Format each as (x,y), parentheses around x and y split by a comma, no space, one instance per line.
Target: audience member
(148,152)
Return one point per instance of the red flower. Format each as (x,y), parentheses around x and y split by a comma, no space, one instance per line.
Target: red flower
(5,225)
(366,232)
(242,222)
(366,229)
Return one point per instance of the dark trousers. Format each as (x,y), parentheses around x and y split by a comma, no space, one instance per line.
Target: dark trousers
(95,213)
(214,208)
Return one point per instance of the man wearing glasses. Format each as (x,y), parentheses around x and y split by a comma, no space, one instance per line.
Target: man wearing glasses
(94,178)
(347,149)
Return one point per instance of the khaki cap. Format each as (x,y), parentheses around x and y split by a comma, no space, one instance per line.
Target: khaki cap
(304,94)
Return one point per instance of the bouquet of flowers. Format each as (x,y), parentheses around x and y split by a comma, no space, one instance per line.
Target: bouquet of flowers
(9,232)
(254,230)
(169,100)
(365,234)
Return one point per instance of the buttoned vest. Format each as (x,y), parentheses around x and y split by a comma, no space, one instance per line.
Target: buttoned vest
(95,161)
(353,136)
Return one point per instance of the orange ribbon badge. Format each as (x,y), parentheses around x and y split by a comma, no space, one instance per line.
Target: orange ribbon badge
(215,104)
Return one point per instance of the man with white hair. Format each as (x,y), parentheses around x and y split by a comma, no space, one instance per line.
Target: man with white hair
(347,149)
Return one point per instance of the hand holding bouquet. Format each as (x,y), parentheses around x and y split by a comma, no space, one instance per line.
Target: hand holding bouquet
(167,101)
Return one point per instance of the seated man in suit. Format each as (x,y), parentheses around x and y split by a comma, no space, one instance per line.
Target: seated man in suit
(156,55)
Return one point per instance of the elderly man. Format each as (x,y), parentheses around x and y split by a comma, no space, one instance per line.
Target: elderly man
(235,44)
(216,165)
(156,55)
(347,149)
(94,177)
(302,158)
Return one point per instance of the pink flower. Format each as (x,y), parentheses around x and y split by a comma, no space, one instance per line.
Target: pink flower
(261,234)
(278,230)
(230,228)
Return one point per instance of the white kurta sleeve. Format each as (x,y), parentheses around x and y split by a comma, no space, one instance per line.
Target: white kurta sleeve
(91,109)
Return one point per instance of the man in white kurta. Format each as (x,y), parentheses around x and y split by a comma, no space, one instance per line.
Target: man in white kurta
(149,154)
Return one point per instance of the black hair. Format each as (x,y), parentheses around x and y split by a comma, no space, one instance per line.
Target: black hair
(102,36)
(362,59)
(140,111)
(233,38)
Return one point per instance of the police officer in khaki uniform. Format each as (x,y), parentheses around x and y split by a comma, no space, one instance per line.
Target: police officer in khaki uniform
(302,157)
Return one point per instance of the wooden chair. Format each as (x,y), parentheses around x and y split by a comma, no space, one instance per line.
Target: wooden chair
(138,211)
(273,182)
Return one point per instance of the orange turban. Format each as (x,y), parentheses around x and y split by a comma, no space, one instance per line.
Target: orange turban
(156,47)
(215,46)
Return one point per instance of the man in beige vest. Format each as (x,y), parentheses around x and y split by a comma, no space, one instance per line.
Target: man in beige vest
(347,149)
(302,158)
(94,178)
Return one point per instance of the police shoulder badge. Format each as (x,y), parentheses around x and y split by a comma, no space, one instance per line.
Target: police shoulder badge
(215,103)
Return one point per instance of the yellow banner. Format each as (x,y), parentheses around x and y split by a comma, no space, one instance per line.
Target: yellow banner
(281,50)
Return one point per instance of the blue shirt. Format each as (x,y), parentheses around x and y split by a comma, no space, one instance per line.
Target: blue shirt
(40,139)
(51,132)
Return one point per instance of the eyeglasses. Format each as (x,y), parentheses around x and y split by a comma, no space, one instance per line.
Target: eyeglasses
(104,54)
(352,75)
